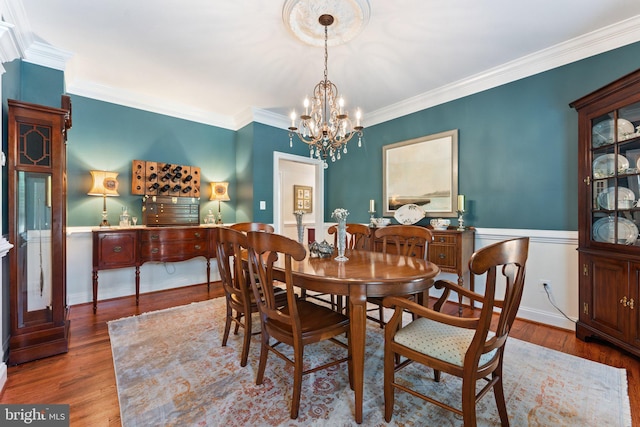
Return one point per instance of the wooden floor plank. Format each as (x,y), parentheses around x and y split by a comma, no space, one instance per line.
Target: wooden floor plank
(84,377)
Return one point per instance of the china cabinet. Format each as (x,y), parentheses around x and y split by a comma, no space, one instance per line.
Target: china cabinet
(37,196)
(608,213)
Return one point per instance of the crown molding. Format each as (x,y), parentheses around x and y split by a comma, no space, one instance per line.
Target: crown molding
(9,49)
(594,43)
(47,56)
(13,12)
(148,103)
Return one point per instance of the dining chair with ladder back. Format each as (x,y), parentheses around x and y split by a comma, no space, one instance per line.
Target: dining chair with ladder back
(299,323)
(240,302)
(467,347)
(358,237)
(406,240)
(252,226)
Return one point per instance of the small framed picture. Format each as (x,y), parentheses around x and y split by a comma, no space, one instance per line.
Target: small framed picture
(303,198)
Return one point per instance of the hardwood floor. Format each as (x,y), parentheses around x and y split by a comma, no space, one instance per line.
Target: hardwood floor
(84,377)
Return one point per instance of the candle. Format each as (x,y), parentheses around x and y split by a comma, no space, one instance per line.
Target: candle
(358,116)
(461,202)
(372,205)
(293,119)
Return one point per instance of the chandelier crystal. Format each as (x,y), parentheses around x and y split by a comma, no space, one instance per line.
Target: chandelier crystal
(325,126)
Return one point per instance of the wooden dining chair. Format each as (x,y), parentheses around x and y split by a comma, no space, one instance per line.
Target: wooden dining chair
(240,302)
(300,322)
(252,226)
(406,240)
(358,237)
(468,348)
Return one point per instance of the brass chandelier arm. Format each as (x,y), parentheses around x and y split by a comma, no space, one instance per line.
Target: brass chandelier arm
(326,129)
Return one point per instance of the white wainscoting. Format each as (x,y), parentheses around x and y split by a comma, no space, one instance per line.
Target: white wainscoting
(154,276)
(552,257)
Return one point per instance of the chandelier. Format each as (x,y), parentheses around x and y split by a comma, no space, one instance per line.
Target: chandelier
(325,126)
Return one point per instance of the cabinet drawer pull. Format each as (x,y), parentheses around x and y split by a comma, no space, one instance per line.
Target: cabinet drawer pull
(624,302)
(197,247)
(442,239)
(154,237)
(442,256)
(117,249)
(155,250)
(631,303)
(197,234)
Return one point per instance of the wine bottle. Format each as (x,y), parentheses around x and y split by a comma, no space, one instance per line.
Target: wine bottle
(176,187)
(176,177)
(154,186)
(153,176)
(166,177)
(165,188)
(166,167)
(177,169)
(186,189)
(187,178)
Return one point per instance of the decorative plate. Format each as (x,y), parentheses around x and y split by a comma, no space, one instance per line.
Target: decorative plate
(409,214)
(607,199)
(602,133)
(604,166)
(604,229)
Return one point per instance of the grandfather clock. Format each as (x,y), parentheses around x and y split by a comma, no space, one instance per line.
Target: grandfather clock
(37,190)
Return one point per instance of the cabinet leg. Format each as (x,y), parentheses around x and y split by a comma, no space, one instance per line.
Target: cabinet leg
(208,275)
(461,284)
(95,291)
(137,284)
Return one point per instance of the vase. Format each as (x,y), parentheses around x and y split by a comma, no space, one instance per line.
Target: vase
(342,240)
(300,228)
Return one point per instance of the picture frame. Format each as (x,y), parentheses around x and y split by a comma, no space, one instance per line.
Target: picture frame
(422,171)
(303,198)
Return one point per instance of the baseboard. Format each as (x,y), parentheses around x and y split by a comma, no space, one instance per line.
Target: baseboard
(546,317)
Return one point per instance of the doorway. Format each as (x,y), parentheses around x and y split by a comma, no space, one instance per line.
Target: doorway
(290,170)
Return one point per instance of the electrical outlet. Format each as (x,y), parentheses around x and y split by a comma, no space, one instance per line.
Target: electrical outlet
(542,283)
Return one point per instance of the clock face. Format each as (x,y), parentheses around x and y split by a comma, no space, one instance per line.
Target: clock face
(110,184)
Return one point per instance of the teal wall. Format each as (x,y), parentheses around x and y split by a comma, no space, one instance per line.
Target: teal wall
(517,148)
(107,136)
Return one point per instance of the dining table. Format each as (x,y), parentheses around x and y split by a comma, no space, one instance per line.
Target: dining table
(364,274)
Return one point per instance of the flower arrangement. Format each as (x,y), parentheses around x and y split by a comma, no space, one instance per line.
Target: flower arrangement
(299,213)
(340,214)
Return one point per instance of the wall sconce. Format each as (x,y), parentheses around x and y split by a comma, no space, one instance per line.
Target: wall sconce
(219,192)
(104,184)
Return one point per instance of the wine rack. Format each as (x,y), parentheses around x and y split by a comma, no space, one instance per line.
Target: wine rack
(164,179)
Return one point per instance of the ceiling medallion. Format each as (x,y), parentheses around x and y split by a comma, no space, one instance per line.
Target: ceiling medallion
(301,18)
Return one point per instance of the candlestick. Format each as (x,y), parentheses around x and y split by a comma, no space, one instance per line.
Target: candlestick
(460,202)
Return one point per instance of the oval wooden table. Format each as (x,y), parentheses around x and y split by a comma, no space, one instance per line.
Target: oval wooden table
(365,274)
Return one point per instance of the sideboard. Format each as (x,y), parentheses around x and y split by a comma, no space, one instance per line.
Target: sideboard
(132,247)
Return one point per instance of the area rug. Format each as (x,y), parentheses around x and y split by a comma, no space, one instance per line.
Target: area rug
(171,370)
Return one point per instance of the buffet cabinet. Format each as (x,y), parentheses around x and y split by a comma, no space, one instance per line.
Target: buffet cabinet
(608,213)
(132,247)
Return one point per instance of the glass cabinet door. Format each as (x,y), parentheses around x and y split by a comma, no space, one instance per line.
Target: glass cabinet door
(34,248)
(615,176)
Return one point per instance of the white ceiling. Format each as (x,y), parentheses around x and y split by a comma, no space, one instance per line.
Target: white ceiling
(230,62)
